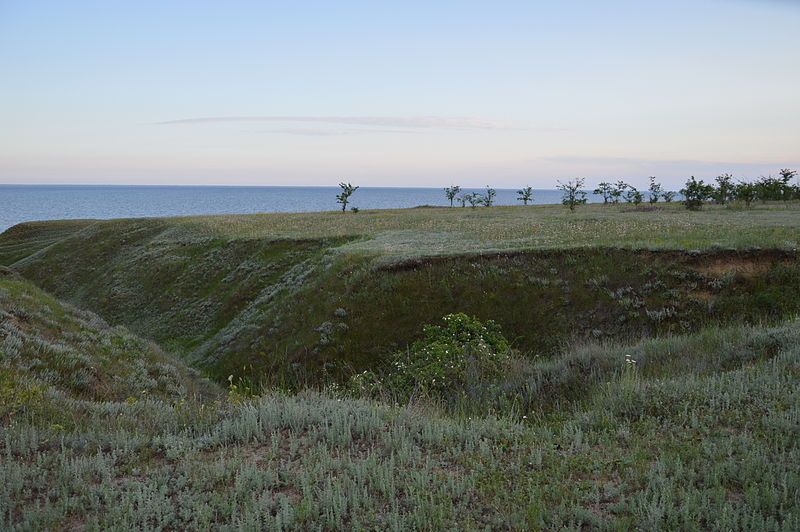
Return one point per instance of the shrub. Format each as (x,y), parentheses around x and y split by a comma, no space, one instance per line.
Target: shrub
(449,358)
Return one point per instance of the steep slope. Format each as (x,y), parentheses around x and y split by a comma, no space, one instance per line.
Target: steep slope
(51,352)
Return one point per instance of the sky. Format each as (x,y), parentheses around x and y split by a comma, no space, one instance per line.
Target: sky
(397,93)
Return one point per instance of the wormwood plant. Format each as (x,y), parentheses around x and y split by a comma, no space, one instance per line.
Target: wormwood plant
(449,358)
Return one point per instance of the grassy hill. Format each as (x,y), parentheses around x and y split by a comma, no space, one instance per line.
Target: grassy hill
(101,430)
(299,298)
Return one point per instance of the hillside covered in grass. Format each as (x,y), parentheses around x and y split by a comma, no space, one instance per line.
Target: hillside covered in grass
(294,299)
(100,430)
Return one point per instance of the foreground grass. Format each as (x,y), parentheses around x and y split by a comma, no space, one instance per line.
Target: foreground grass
(700,432)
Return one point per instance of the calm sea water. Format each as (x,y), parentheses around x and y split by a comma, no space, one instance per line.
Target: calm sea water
(21,203)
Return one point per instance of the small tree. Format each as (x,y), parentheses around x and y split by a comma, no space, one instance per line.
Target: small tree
(770,188)
(525,195)
(745,192)
(723,192)
(606,190)
(633,195)
(655,190)
(668,196)
(474,199)
(463,198)
(696,194)
(488,200)
(788,191)
(573,195)
(618,191)
(451,193)
(344,197)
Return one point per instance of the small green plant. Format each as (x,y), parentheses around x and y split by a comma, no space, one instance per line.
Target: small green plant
(696,193)
(344,196)
(451,192)
(241,390)
(668,196)
(525,195)
(573,193)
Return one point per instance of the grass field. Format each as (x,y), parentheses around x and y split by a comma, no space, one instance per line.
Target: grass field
(433,231)
(283,297)
(652,382)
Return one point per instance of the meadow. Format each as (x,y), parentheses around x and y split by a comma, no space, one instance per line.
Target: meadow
(628,367)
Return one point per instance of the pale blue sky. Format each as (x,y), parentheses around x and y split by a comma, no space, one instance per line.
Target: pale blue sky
(401,93)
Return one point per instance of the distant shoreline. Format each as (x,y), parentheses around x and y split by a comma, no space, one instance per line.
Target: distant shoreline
(23,203)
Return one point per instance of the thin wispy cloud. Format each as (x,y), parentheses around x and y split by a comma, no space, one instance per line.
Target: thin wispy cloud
(417,122)
(324,132)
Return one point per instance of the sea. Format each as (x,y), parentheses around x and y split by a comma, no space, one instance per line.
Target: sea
(22,203)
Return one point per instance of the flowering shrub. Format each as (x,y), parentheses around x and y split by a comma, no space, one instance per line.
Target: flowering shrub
(450,358)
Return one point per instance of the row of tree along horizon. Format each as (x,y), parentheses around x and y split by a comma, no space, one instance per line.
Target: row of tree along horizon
(695,193)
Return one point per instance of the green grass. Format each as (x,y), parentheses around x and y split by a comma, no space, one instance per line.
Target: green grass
(295,299)
(51,347)
(435,231)
(700,432)
(654,383)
